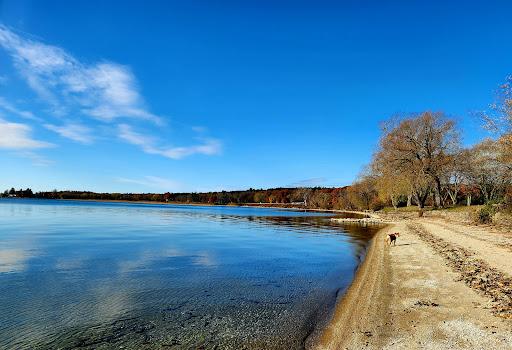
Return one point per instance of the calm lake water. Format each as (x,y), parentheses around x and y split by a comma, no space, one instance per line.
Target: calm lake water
(91,275)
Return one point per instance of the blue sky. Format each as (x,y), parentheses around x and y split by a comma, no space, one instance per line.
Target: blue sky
(193,96)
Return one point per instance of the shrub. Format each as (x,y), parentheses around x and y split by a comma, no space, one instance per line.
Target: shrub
(376,204)
(485,214)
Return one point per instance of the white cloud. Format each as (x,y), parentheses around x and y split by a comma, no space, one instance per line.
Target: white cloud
(17,136)
(315,181)
(36,159)
(127,134)
(199,129)
(207,147)
(153,182)
(75,132)
(9,107)
(104,91)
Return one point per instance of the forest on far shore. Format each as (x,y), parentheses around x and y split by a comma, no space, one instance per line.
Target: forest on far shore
(353,197)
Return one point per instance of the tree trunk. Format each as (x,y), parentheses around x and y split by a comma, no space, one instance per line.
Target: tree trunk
(437,194)
(468,200)
(394,202)
(409,199)
(485,193)
(435,199)
(453,197)
(420,200)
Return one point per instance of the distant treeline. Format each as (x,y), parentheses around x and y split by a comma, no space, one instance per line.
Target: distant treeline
(18,193)
(321,198)
(355,197)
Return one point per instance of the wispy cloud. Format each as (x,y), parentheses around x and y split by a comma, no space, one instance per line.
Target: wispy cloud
(105,91)
(199,129)
(96,94)
(17,136)
(312,182)
(36,158)
(75,132)
(208,146)
(153,182)
(9,107)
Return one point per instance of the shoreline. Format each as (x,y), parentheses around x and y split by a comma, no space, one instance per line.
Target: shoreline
(323,329)
(444,285)
(354,303)
(247,205)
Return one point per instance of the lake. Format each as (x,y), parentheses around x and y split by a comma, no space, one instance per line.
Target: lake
(98,275)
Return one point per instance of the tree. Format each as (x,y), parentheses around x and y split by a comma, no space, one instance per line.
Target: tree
(487,171)
(260,197)
(363,193)
(301,194)
(340,199)
(390,184)
(320,199)
(499,121)
(456,174)
(421,147)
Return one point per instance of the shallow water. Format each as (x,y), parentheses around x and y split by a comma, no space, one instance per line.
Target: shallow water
(95,275)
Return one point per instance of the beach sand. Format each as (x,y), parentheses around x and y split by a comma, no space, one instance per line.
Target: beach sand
(445,285)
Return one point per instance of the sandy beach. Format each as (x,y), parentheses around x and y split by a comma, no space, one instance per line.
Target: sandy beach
(445,285)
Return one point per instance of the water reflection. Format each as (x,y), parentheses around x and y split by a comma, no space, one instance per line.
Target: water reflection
(98,275)
(12,260)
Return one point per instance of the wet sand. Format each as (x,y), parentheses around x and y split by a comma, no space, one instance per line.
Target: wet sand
(444,285)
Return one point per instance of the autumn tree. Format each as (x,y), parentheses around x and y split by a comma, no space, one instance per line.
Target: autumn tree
(391,185)
(320,199)
(457,174)
(499,121)
(487,171)
(363,192)
(301,194)
(421,148)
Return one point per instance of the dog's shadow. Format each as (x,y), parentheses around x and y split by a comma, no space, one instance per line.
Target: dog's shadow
(403,244)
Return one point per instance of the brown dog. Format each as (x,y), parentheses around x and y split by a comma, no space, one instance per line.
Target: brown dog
(391,238)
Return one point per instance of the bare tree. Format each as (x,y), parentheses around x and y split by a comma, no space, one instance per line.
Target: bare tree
(421,147)
(499,121)
(456,174)
(362,193)
(319,199)
(487,171)
(302,194)
(390,184)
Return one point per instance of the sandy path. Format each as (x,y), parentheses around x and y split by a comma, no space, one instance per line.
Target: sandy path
(492,247)
(419,301)
(356,317)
